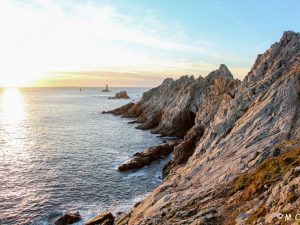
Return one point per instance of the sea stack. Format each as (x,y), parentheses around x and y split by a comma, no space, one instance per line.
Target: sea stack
(120,95)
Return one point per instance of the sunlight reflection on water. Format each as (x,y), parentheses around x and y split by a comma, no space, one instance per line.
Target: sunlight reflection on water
(13,116)
(12,107)
(58,153)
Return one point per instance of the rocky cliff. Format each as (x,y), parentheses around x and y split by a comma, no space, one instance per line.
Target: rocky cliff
(238,161)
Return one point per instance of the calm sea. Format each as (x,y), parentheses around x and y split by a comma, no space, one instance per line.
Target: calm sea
(59,153)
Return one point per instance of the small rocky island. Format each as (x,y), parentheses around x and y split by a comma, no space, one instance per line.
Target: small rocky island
(120,95)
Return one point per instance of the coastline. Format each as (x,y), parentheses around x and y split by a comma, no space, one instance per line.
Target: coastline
(222,122)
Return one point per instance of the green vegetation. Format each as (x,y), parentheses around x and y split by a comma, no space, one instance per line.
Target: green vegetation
(270,171)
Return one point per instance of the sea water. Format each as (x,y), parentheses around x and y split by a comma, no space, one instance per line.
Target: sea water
(59,153)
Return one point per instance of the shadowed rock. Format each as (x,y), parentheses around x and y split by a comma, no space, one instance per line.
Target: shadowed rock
(120,95)
(121,110)
(68,218)
(185,149)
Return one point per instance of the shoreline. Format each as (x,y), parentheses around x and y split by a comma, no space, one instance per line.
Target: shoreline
(223,145)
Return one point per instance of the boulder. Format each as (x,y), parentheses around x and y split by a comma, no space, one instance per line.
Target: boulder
(141,159)
(68,218)
(105,218)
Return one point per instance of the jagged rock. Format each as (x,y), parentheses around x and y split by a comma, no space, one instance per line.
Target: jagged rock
(120,95)
(121,110)
(173,109)
(170,109)
(105,218)
(243,124)
(123,220)
(141,159)
(68,218)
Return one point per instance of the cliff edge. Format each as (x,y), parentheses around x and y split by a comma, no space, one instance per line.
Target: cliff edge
(239,160)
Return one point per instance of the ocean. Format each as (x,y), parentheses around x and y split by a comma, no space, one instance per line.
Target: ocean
(59,153)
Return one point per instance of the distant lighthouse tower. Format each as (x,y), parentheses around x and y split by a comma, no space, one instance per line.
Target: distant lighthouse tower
(106,89)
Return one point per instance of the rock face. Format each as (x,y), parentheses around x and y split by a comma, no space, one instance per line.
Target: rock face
(171,108)
(141,159)
(120,110)
(68,218)
(120,95)
(105,218)
(232,131)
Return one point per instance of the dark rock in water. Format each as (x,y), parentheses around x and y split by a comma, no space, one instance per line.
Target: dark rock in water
(53,216)
(141,159)
(105,218)
(121,110)
(132,122)
(120,95)
(68,218)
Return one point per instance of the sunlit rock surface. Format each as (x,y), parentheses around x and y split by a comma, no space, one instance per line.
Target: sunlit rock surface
(230,129)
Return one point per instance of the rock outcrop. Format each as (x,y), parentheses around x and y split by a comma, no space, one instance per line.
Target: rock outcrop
(232,131)
(141,159)
(68,218)
(105,218)
(121,110)
(120,95)
(171,108)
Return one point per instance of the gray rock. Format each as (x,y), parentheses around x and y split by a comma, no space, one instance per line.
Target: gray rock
(258,114)
(297,169)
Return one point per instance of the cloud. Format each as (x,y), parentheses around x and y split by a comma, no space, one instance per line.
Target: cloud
(40,36)
(100,78)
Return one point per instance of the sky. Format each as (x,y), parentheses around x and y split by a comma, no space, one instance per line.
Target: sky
(134,42)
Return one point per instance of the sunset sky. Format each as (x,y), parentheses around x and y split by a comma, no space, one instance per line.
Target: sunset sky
(134,42)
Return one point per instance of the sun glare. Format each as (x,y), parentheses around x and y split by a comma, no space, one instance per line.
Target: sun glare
(12,106)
